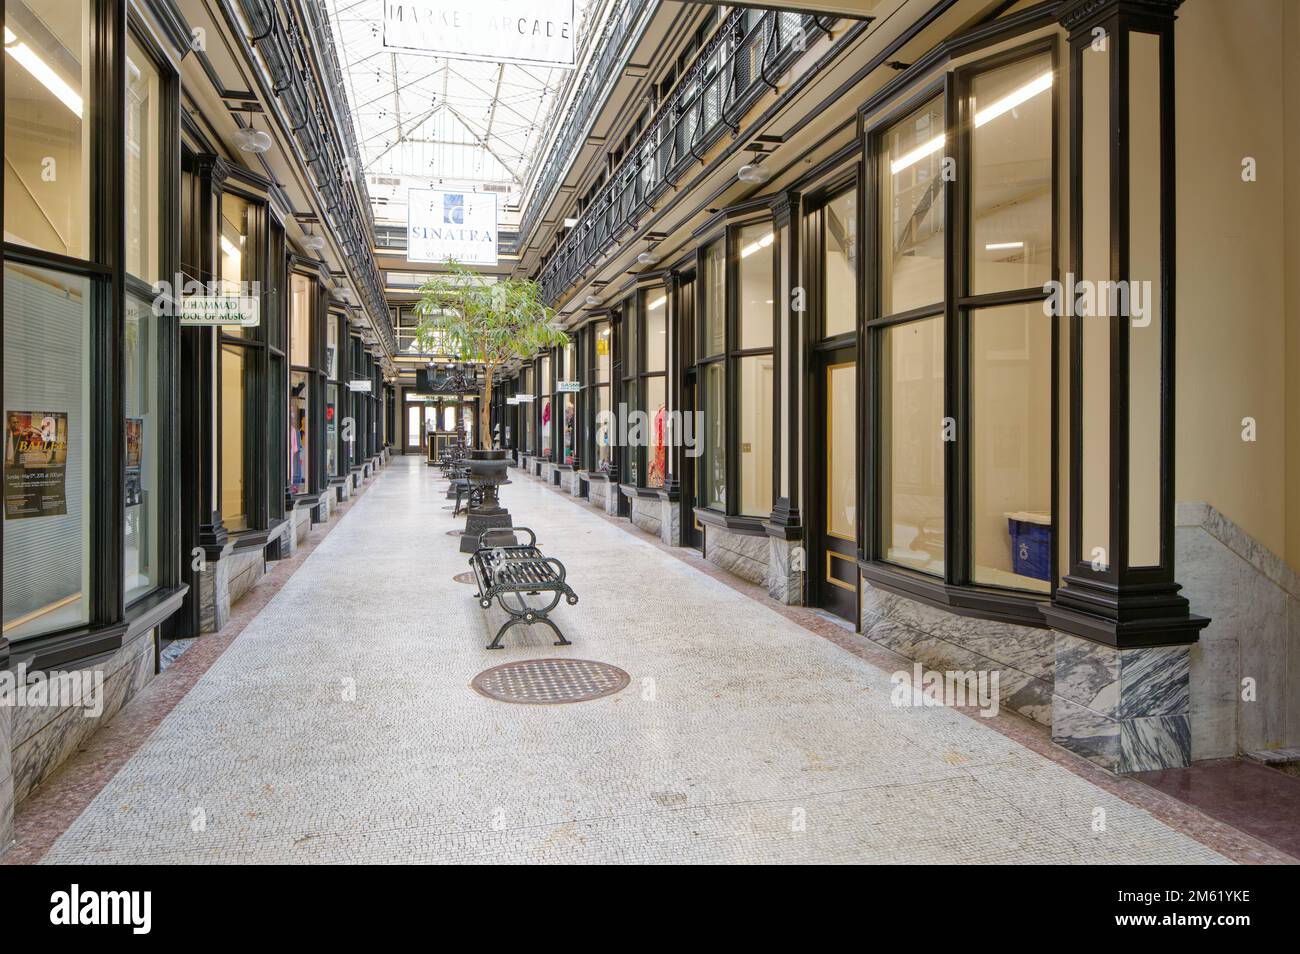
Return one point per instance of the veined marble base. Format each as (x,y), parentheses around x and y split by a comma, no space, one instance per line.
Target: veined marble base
(785,570)
(6,780)
(568,480)
(646,513)
(670,522)
(597,491)
(1128,710)
(742,554)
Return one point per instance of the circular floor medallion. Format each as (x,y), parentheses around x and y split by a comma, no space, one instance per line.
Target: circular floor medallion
(466,577)
(550,681)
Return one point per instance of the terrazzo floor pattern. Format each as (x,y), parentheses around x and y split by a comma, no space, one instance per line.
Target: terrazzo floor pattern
(340,727)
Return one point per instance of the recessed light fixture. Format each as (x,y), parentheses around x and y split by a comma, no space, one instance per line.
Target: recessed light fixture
(1000,246)
(752,172)
(658,302)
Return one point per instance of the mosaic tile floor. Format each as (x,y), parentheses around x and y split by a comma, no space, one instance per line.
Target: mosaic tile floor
(340,726)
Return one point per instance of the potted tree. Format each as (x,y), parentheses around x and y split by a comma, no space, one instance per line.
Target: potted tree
(486,325)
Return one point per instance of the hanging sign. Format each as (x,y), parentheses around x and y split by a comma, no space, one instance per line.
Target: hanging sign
(568,387)
(512,401)
(362,384)
(523,398)
(36,464)
(200,311)
(443,225)
(539,32)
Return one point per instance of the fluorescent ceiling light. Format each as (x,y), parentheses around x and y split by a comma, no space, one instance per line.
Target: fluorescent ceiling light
(658,302)
(916,155)
(753,247)
(1014,99)
(987,114)
(998,246)
(230,248)
(31,61)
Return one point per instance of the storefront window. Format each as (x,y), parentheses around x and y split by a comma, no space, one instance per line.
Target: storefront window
(840,266)
(47,449)
(755,426)
(234,512)
(755,299)
(1011,191)
(47,138)
(142,159)
(299,432)
(1011,465)
(332,395)
(912,445)
(140,392)
(236,256)
(544,400)
(715,299)
(713,466)
(654,364)
(601,412)
(911,206)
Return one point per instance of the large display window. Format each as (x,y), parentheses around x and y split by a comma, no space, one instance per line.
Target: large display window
(960,467)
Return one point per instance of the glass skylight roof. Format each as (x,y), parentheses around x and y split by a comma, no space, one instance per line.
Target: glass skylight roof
(437,119)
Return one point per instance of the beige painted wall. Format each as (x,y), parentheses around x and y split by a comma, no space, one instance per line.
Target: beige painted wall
(1234,320)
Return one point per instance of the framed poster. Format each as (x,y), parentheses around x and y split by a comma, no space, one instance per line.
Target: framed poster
(536,32)
(442,225)
(36,464)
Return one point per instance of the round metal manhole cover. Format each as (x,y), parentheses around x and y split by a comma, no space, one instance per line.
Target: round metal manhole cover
(466,577)
(550,681)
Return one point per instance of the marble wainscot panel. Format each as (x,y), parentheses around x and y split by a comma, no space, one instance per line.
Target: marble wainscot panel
(576,483)
(6,779)
(213,583)
(597,490)
(785,570)
(646,513)
(1252,598)
(1128,710)
(943,641)
(739,553)
(322,512)
(44,736)
(342,488)
(301,519)
(247,567)
(670,521)
(566,477)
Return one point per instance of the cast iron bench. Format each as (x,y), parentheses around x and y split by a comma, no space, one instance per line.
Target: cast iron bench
(507,573)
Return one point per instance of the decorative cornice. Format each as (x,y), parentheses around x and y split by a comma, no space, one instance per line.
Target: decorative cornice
(1082,14)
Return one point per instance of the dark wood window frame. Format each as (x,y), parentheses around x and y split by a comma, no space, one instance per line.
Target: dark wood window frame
(954,591)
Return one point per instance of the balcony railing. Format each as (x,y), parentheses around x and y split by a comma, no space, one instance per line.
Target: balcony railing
(750,50)
(593,85)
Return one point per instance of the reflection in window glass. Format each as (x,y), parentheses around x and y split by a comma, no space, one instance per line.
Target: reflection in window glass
(47,451)
(332,348)
(911,445)
(331,429)
(756,434)
(142,158)
(545,412)
(713,465)
(1011,456)
(715,299)
(299,432)
(233,512)
(840,258)
(911,211)
(602,351)
(569,435)
(140,387)
(1011,191)
(236,256)
(604,428)
(300,312)
(756,290)
(47,143)
(657,411)
(656,330)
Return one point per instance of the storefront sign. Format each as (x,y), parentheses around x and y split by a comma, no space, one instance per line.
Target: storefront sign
(523,398)
(362,384)
(512,401)
(200,311)
(539,32)
(36,464)
(568,387)
(442,225)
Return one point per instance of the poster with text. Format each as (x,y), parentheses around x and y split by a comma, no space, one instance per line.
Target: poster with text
(36,464)
(538,32)
(442,225)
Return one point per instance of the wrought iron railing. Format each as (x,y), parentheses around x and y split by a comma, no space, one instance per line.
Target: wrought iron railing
(749,51)
(595,83)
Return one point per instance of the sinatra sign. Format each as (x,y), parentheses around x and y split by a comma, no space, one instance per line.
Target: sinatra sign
(444,225)
(539,32)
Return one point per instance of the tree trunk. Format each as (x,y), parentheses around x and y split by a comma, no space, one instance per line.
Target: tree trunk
(485,412)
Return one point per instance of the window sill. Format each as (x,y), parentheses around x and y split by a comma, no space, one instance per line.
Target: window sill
(745,526)
(973,601)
